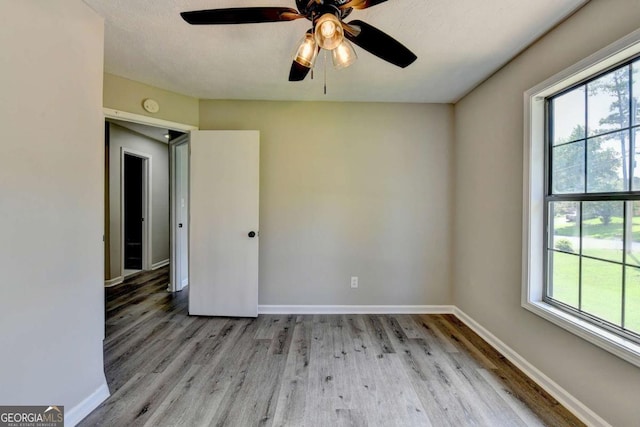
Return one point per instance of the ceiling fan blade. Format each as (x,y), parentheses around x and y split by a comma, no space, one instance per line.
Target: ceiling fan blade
(298,72)
(361,4)
(240,15)
(378,43)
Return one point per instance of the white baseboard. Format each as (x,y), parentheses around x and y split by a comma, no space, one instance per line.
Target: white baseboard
(76,414)
(170,288)
(113,282)
(578,408)
(160,264)
(355,309)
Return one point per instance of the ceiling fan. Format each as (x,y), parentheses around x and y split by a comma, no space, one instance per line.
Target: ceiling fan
(328,31)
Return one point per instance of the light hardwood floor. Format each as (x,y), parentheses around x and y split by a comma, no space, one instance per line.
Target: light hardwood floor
(165,368)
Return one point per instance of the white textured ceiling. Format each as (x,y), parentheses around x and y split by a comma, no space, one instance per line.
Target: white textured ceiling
(459,43)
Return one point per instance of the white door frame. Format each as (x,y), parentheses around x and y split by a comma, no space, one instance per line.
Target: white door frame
(147,211)
(110,113)
(174,281)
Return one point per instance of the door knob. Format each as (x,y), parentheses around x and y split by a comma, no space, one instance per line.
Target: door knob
(252,234)
(180,225)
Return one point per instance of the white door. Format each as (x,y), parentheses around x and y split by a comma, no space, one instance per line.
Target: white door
(180,214)
(223,240)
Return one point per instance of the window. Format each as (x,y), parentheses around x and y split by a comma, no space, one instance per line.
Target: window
(593,200)
(581,225)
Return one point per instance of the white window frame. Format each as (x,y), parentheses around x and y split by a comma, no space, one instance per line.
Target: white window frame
(534,193)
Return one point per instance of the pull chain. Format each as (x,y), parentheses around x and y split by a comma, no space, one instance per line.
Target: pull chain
(325,72)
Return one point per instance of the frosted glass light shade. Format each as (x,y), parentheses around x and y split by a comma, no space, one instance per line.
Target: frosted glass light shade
(328,31)
(307,51)
(343,55)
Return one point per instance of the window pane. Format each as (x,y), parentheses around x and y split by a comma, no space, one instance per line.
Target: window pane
(633,238)
(568,116)
(602,290)
(608,163)
(564,273)
(632,300)
(568,168)
(564,228)
(608,102)
(602,230)
(636,91)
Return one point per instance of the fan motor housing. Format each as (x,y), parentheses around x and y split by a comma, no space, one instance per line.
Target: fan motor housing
(312,10)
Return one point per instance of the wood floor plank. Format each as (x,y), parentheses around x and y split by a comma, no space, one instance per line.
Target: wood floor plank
(110,412)
(549,410)
(430,331)
(378,333)
(320,394)
(409,326)
(157,385)
(166,368)
(364,382)
(247,352)
(154,310)
(350,418)
(264,383)
(460,340)
(435,385)
(519,408)
(196,399)
(385,382)
(290,406)
(495,410)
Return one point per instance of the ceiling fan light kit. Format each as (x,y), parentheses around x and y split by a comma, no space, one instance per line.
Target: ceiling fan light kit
(328,32)
(343,55)
(307,51)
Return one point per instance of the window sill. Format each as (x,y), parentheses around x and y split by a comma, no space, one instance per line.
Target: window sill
(623,348)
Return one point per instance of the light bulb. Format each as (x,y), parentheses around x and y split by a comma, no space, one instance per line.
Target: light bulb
(328,31)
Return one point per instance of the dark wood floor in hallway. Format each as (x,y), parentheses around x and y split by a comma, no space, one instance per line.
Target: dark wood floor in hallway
(165,368)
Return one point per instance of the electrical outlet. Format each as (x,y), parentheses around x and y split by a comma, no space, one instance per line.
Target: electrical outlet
(354,282)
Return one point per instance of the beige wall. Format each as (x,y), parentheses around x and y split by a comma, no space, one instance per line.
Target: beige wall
(159,152)
(51,198)
(349,189)
(488,215)
(127,95)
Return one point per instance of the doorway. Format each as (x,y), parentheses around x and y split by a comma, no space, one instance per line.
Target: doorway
(133,217)
(139,212)
(136,211)
(180,213)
